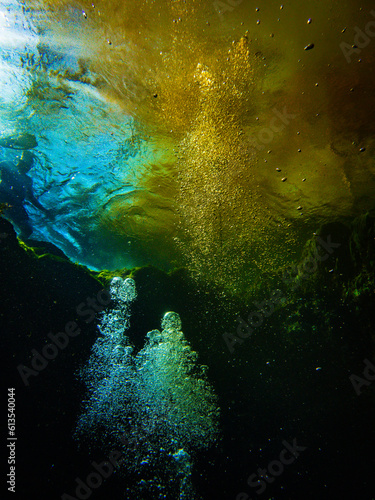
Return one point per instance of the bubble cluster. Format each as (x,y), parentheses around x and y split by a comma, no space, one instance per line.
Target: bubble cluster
(156,406)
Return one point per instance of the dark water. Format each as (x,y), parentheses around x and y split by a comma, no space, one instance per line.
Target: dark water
(212,164)
(288,382)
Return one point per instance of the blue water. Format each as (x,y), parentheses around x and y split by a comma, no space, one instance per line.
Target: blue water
(81,168)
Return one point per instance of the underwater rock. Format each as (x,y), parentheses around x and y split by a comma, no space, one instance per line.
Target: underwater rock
(22,142)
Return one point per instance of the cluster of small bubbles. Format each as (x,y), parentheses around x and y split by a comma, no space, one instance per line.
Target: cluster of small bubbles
(183,461)
(123,290)
(154,337)
(171,321)
(110,350)
(116,321)
(159,400)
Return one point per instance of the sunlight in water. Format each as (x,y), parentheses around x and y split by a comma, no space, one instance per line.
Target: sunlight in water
(189,133)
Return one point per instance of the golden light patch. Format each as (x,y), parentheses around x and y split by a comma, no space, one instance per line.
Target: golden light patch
(263,140)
